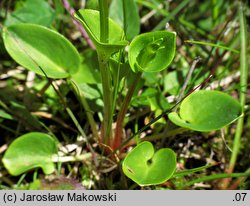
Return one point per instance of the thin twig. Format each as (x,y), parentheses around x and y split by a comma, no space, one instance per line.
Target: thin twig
(190,72)
(77,24)
(150,14)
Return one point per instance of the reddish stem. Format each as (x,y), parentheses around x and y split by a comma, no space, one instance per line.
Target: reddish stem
(121,115)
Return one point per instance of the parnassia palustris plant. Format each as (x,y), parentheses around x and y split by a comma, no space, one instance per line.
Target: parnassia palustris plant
(48,53)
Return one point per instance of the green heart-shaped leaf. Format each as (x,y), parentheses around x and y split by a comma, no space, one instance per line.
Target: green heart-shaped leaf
(152,52)
(38,48)
(145,167)
(90,20)
(30,151)
(207,111)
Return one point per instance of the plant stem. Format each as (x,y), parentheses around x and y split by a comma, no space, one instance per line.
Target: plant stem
(87,110)
(243,87)
(216,176)
(104,21)
(123,111)
(7,128)
(78,158)
(116,81)
(107,97)
(90,118)
(105,72)
(237,182)
(21,179)
(213,45)
(164,134)
(188,77)
(171,15)
(73,118)
(124,6)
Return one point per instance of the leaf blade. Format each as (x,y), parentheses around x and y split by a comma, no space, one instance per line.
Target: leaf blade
(30,151)
(41,50)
